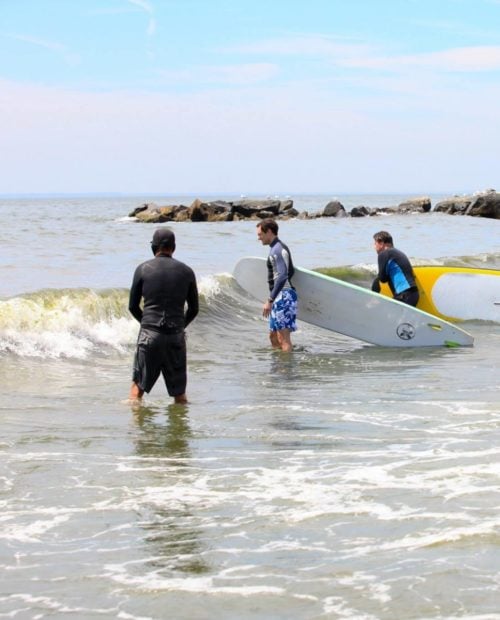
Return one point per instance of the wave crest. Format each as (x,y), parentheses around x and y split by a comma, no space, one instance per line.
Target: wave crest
(79,323)
(68,323)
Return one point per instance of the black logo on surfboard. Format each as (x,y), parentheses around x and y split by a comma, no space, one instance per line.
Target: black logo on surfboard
(405,331)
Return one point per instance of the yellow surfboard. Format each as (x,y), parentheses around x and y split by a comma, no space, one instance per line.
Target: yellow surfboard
(457,293)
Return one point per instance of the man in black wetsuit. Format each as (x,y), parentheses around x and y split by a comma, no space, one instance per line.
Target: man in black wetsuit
(394,268)
(166,285)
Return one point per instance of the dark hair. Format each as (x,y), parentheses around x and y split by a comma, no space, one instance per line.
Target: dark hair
(383,237)
(164,239)
(268,224)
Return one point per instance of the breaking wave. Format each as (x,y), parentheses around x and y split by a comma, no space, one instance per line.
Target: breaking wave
(80,323)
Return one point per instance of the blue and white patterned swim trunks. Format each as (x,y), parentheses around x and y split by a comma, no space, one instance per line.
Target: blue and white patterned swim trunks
(284,311)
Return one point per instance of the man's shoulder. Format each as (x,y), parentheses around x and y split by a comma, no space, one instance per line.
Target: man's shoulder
(389,253)
(154,264)
(141,266)
(182,266)
(145,264)
(395,253)
(279,246)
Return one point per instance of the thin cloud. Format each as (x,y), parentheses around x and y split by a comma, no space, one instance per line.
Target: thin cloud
(458,28)
(111,11)
(302,45)
(49,45)
(52,46)
(363,56)
(148,8)
(461,59)
(251,73)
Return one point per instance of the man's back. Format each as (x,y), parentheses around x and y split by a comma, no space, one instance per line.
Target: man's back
(395,268)
(166,285)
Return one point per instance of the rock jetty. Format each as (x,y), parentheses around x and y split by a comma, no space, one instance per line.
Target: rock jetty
(481,204)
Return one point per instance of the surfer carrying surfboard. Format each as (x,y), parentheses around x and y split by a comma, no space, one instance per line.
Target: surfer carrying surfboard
(394,268)
(281,305)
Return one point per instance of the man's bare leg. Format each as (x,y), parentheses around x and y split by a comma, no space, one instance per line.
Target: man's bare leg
(274,338)
(135,392)
(284,340)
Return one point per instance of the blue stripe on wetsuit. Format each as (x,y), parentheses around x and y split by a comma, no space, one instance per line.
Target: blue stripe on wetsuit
(395,268)
(396,275)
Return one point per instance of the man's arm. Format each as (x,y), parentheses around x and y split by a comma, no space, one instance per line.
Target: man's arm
(382,266)
(192,303)
(135,296)
(270,274)
(282,259)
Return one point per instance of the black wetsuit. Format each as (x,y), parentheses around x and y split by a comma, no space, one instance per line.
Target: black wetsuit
(165,285)
(395,269)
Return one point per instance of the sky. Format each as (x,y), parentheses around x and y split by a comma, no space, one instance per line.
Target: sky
(249,96)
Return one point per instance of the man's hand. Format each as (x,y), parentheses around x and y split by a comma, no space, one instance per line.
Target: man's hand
(266,308)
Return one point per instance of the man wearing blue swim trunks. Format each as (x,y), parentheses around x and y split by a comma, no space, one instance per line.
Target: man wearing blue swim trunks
(281,306)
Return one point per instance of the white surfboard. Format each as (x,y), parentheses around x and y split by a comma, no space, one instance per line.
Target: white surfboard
(354,311)
(481,291)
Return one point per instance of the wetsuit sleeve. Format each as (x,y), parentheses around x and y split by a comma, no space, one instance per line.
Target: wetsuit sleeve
(136,295)
(192,302)
(270,275)
(383,257)
(282,258)
(376,285)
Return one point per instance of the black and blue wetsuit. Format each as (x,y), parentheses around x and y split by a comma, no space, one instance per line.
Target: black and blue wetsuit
(279,268)
(395,269)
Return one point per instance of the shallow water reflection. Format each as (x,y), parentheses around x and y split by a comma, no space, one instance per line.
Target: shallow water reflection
(163,443)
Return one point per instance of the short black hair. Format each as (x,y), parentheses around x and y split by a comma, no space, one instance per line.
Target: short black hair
(268,224)
(383,237)
(163,238)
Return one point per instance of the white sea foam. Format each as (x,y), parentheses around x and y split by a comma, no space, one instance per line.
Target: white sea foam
(32,532)
(71,324)
(210,286)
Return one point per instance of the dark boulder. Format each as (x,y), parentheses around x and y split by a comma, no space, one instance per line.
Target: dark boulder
(334,209)
(485,205)
(415,205)
(361,211)
(155,214)
(137,210)
(252,208)
(457,205)
(480,204)
(208,211)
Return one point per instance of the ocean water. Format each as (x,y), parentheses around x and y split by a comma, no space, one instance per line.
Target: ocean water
(342,481)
